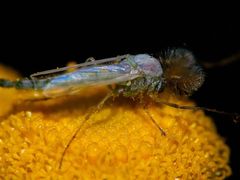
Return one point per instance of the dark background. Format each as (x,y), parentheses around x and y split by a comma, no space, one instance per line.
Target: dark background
(30,47)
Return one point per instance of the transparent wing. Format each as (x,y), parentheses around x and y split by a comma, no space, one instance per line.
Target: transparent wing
(93,74)
(53,72)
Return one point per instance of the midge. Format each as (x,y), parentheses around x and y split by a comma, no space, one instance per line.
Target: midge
(133,75)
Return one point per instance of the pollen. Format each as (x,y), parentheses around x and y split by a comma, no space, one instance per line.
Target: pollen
(118,142)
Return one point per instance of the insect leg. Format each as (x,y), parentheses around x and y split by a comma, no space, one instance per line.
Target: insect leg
(99,106)
(146,109)
(235,116)
(87,117)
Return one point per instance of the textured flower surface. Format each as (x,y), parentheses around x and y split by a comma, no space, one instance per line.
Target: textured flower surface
(118,142)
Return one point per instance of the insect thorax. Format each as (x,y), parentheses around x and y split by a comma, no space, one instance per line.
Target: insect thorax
(140,86)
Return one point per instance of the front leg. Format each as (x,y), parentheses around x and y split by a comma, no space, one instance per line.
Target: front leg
(146,109)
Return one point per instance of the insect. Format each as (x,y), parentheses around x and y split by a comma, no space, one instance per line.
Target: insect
(133,75)
(136,76)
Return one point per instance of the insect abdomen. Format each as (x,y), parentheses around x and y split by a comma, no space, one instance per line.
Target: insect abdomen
(21,84)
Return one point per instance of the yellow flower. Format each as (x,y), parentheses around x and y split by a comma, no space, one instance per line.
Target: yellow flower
(118,142)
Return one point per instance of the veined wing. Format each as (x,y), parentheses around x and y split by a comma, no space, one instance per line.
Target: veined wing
(53,72)
(93,75)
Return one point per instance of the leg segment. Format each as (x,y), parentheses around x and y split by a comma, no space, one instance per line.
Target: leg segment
(87,117)
(146,109)
(235,116)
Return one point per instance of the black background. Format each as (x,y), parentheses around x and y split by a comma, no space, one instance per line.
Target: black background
(32,46)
